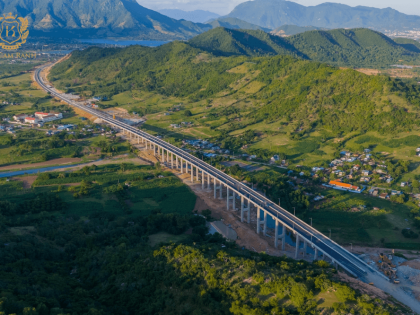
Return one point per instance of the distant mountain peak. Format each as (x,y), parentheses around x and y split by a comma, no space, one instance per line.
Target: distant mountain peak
(99,18)
(196,16)
(275,13)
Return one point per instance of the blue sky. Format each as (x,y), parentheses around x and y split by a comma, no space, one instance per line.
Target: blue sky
(225,6)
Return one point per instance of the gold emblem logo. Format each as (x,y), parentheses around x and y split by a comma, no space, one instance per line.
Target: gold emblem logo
(13,31)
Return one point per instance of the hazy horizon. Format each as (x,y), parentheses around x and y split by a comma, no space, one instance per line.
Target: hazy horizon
(224,7)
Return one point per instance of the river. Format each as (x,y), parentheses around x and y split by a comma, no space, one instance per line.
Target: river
(41,170)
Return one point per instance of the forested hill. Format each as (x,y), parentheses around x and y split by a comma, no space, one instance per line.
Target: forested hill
(99,19)
(278,88)
(357,47)
(227,42)
(350,48)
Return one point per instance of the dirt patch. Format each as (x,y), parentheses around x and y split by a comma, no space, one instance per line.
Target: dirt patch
(369,71)
(27,181)
(61,161)
(82,113)
(117,109)
(200,205)
(415,264)
(377,250)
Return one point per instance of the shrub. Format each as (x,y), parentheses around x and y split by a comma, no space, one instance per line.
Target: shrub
(409,233)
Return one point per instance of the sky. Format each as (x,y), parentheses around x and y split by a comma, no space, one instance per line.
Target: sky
(223,7)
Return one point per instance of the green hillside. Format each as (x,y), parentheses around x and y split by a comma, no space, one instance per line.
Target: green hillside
(355,48)
(222,41)
(234,23)
(409,44)
(279,88)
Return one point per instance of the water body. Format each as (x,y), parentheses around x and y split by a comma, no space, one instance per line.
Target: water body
(39,170)
(148,43)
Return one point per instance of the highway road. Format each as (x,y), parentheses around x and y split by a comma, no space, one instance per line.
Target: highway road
(341,256)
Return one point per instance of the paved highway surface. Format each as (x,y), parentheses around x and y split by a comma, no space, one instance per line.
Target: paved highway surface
(341,256)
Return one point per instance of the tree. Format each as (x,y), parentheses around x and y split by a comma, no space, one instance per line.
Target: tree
(187,113)
(344,293)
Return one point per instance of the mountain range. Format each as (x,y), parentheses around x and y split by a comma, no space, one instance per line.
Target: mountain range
(99,18)
(196,16)
(275,13)
(350,48)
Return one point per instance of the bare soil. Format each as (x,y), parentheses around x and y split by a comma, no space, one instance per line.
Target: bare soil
(415,264)
(377,250)
(369,71)
(27,181)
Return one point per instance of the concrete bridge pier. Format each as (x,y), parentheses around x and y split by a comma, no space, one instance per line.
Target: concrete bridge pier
(305,248)
(246,209)
(229,198)
(197,173)
(259,221)
(202,180)
(192,173)
(208,182)
(215,187)
(282,236)
(316,254)
(172,161)
(297,246)
(182,166)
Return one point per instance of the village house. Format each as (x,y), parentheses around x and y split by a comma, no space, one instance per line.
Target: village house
(31,120)
(46,117)
(20,117)
(366,173)
(343,186)
(384,196)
